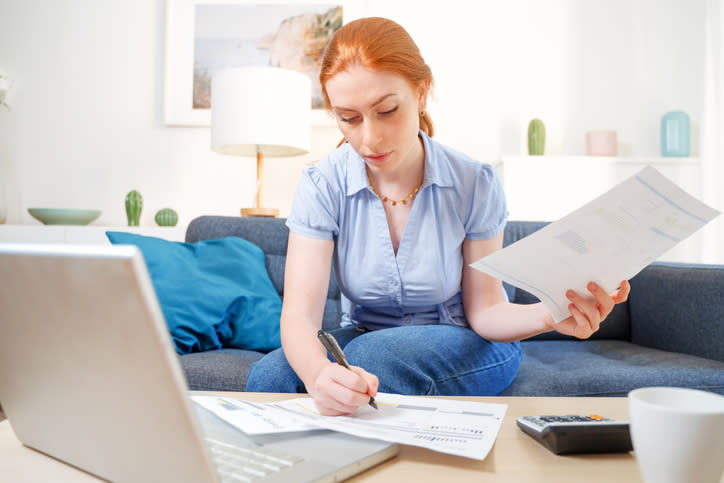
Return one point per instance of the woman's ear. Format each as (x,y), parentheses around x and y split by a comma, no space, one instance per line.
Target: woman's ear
(422,91)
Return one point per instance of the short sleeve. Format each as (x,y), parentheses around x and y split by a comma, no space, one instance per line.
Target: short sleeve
(488,212)
(315,207)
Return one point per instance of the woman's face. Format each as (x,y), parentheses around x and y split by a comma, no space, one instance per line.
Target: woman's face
(378,114)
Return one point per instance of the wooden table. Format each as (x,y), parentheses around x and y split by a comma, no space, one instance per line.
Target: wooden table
(515,457)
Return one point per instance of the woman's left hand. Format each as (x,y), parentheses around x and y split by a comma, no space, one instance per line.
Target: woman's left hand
(587,312)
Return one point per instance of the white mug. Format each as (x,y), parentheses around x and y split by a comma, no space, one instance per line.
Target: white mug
(677,434)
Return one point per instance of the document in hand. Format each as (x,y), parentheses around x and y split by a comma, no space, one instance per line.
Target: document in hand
(608,240)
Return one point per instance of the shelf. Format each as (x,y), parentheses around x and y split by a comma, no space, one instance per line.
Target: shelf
(90,234)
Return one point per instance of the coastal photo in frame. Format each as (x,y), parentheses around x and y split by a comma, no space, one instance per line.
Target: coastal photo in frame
(205,36)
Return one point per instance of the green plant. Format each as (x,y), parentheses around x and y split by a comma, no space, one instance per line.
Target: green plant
(134,205)
(166,217)
(536,137)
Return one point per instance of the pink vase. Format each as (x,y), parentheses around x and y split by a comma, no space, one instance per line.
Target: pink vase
(601,143)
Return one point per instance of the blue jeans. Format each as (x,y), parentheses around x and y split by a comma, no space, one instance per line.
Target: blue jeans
(413,360)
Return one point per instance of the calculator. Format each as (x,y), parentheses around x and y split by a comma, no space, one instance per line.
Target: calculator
(573,433)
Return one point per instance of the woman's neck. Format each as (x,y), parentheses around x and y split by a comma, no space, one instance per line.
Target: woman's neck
(401,181)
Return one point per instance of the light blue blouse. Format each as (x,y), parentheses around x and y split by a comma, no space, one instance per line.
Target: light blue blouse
(459,198)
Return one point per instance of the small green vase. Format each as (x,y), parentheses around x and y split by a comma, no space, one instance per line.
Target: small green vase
(134,205)
(166,217)
(536,137)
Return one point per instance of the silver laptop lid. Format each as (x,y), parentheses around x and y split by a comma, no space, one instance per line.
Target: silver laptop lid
(88,374)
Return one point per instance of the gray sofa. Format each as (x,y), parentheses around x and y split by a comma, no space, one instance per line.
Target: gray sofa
(670,332)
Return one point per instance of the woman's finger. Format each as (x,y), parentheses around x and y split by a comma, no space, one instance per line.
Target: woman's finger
(604,302)
(585,305)
(621,295)
(582,325)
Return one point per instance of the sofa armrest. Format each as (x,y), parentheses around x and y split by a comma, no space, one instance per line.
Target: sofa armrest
(678,307)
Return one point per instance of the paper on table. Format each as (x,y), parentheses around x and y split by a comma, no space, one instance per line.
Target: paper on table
(608,240)
(461,428)
(253,418)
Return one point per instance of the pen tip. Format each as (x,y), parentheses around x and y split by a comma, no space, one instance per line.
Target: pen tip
(373,403)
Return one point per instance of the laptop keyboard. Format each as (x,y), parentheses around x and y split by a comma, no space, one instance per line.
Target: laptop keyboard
(236,464)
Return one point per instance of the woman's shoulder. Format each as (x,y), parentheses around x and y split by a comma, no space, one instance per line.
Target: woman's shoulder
(333,167)
(461,166)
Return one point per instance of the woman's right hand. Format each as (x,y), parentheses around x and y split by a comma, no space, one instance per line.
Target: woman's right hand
(338,391)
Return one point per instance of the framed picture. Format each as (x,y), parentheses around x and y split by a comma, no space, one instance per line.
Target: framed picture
(205,36)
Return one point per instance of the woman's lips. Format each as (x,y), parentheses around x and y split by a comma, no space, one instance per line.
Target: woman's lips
(379,157)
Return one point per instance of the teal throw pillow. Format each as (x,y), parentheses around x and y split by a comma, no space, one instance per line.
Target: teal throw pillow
(214,293)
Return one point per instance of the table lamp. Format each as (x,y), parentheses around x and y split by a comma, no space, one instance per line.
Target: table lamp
(262,111)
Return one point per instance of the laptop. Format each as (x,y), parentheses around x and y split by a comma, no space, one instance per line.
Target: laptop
(89,376)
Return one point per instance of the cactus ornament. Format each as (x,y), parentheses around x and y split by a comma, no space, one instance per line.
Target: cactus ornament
(134,205)
(166,217)
(536,137)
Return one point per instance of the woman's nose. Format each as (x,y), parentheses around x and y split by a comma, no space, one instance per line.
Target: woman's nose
(372,133)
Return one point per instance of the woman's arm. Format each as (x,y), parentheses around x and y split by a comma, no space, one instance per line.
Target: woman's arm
(491,317)
(335,390)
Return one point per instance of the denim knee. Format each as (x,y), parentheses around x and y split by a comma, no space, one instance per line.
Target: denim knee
(436,360)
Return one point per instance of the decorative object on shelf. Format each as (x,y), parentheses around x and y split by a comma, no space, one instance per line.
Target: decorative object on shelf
(536,137)
(134,206)
(675,134)
(166,217)
(601,143)
(53,216)
(258,111)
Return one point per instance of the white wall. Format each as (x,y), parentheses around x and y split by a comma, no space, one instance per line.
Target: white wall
(86,121)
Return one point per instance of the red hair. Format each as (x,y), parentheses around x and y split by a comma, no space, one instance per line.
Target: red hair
(378,44)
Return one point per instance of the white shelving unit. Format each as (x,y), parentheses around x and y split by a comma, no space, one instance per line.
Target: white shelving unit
(81,234)
(549,187)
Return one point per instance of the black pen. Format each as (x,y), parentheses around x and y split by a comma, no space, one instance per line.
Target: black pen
(332,346)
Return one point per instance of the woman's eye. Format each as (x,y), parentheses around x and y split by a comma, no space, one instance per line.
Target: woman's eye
(348,119)
(387,113)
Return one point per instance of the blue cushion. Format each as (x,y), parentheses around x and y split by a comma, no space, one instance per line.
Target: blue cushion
(213,294)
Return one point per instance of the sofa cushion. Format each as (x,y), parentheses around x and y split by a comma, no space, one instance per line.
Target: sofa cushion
(221,370)
(213,294)
(607,368)
(271,235)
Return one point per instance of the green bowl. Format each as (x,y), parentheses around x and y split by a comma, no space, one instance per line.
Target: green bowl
(53,216)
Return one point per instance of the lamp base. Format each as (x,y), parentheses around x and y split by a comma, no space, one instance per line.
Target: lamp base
(270,212)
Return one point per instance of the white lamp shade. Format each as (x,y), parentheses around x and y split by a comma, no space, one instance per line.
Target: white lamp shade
(260,109)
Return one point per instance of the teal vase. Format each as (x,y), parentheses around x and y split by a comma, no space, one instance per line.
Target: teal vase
(675,134)
(166,217)
(134,205)
(536,137)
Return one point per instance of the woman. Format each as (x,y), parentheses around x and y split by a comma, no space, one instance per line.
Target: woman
(402,217)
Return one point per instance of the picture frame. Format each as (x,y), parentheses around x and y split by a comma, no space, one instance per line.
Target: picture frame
(190,28)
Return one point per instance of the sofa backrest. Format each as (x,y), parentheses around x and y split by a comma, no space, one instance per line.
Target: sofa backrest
(271,235)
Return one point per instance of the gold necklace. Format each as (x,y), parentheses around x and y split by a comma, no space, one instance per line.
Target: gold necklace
(385,199)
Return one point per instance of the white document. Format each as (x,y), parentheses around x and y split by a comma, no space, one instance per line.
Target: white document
(461,428)
(608,240)
(456,427)
(253,418)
